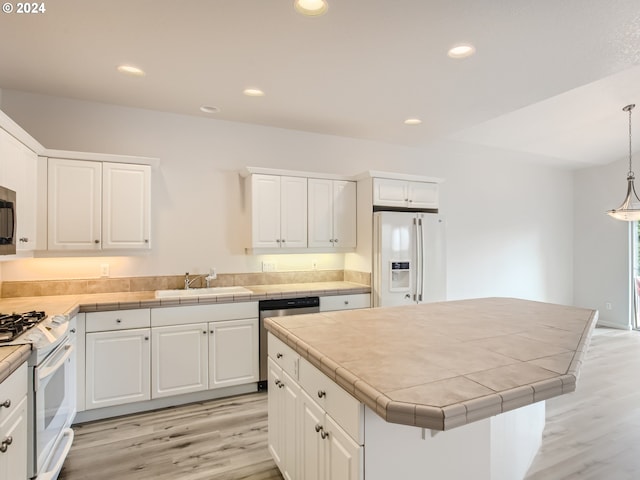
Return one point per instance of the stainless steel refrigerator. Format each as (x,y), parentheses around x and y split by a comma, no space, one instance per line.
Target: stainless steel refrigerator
(409,258)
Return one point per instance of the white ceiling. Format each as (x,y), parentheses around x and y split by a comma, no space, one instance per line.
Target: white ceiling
(550,77)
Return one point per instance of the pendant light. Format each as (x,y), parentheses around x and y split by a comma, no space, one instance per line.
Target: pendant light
(630,208)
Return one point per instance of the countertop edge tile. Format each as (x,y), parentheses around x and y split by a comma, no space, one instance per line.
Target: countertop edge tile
(13,360)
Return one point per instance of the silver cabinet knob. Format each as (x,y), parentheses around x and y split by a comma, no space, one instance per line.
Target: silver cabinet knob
(24,239)
(279,355)
(73,330)
(5,444)
(322,393)
(319,427)
(146,338)
(335,240)
(324,434)
(146,240)
(118,320)
(96,241)
(6,403)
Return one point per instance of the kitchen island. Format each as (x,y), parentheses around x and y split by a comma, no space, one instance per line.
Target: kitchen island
(479,370)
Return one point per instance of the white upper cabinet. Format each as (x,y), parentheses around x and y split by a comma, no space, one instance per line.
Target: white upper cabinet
(74,204)
(278,211)
(126,204)
(332,213)
(18,165)
(98,205)
(405,194)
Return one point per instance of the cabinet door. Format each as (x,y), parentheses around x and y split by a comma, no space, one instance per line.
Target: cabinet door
(293,212)
(275,413)
(344,214)
(74,204)
(117,367)
(312,461)
(265,211)
(180,359)
(423,195)
(126,206)
(233,352)
(18,173)
(344,457)
(13,462)
(291,415)
(391,193)
(321,213)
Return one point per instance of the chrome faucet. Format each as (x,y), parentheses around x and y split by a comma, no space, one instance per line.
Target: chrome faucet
(188,281)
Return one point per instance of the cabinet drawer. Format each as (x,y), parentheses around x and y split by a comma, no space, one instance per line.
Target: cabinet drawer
(284,356)
(345,302)
(117,320)
(12,391)
(162,317)
(345,409)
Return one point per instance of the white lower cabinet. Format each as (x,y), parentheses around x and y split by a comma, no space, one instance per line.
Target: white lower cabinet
(117,367)
(304,436)
(233,352)
(283,419)
(13,426)
(179,359)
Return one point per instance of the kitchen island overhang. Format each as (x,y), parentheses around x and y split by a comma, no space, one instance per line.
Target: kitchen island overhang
(443,365)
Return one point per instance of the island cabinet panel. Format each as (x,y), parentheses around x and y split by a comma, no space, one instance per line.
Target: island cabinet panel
(283,421)
(179,359)
(322,422)
(283,356)
(345,409)
(118,367)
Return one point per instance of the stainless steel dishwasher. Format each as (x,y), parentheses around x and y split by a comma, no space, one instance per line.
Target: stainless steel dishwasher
(279,308)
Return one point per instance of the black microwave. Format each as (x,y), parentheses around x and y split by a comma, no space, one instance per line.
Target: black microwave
(7,221)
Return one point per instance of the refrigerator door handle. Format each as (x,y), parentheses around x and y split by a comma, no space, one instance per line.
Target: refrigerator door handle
(416,268)
(419,260)
(421,264)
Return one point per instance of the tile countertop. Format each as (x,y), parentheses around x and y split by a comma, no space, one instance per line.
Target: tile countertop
(12,357)
(443,365)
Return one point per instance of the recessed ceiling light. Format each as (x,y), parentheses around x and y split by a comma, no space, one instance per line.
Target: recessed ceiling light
(209,109)
(462,51)
(131,70)
(253,92)
(412,121)
(311,8)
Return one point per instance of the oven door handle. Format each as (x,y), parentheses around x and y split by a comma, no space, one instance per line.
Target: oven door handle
(51,473)
(48,370)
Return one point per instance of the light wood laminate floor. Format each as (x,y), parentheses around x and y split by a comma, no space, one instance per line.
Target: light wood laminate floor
(591,434)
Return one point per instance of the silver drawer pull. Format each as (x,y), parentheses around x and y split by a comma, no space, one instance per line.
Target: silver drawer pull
(322,393)
(278,382)
(279,355)
(118,320)
(319,427)
(6,403)
(281,385)
(324,434)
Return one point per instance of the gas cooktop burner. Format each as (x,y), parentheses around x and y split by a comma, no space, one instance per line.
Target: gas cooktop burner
(14,324)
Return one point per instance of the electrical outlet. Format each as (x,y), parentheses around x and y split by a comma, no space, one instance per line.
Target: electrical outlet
(314,264)
(104,270)
(268,266)
(608,306)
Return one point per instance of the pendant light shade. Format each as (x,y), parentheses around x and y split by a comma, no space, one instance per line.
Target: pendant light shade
(629,210)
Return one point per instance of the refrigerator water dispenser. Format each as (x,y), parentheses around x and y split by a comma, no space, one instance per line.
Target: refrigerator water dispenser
(400,276)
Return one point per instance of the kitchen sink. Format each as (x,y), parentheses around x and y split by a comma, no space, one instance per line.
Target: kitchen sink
(202,292)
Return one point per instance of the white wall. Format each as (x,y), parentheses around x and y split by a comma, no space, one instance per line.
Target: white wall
(506,234)
(601,251)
